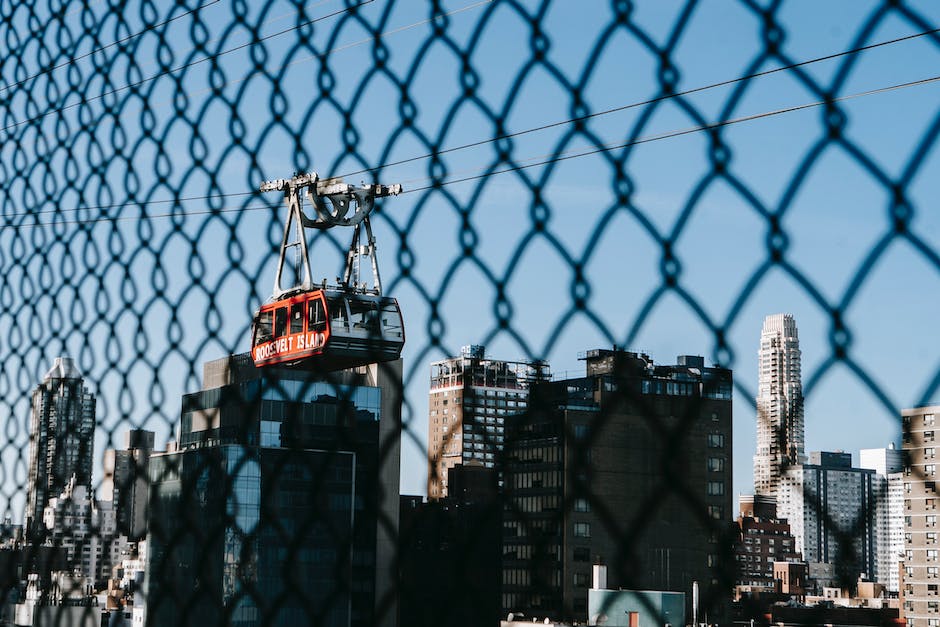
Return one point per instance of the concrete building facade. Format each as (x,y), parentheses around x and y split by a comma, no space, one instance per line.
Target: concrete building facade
(888,464)
(921,571)
(85,530)
(830,506)
(450,553)
(764,540)
(619,454)
(779,403)
(470,398)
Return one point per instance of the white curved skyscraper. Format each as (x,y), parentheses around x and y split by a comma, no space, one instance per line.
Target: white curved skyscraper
(779,403)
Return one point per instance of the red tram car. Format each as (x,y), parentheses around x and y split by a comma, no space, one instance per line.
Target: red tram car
(340,329)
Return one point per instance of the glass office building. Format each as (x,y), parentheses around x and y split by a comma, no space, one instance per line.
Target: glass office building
(268,513)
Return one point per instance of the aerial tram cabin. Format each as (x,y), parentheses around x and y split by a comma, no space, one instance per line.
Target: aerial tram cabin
(342,329)
(315,326)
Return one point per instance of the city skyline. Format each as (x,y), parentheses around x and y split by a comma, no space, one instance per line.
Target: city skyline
(623,207)
(830,222)
(99,466)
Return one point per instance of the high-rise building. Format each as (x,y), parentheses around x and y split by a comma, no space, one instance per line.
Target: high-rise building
(630,465)
(921,575)
(888,464)
(280,504)
(831,510)
(779,403)
(61,439)
(470,398)
(127,483)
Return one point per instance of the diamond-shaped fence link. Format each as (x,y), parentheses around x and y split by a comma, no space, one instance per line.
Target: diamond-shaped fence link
(135,240)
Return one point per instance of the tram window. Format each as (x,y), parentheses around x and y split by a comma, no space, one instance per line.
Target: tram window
(391,321)
(364,315)
(297,318)
(338,318)
(280,321)
(263,328)
(316,318)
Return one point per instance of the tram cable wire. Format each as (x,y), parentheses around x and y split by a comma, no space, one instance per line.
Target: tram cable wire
(260,26)
(482,142)
(342,47)
(535,129)
(554,158)
(650,101)
(123,40)
(513,134)
(254,42)
(542,160)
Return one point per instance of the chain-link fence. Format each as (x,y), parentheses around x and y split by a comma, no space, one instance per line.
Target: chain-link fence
(575,176)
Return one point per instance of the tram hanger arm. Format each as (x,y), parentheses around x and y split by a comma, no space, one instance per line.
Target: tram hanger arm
(339,194)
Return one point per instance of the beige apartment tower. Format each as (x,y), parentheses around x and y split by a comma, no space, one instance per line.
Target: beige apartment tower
(470,399)
(779,404)
(920,581)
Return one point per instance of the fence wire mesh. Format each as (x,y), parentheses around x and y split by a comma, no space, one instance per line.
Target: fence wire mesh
(134,239)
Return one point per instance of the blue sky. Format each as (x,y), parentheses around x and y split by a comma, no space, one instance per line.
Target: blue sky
(142,335)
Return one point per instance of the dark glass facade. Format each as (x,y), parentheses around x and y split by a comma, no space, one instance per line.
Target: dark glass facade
(61,440)
(267,515)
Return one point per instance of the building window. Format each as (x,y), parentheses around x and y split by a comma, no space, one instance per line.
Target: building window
(582,505)
(716,512)
(928,436)
(931,590)
(716,464)
(931,572)
(582,530)
(581,580)
(716,440)
(907,487)
(930,470)
(931,520)
(928,420)
(930,453)
(716,488)
(582,554)
(931,537)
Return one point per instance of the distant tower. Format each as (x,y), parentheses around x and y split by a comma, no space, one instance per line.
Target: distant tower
(61,438)
(779,403)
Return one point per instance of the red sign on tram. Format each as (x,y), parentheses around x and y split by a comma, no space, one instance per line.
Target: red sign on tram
(291,329)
